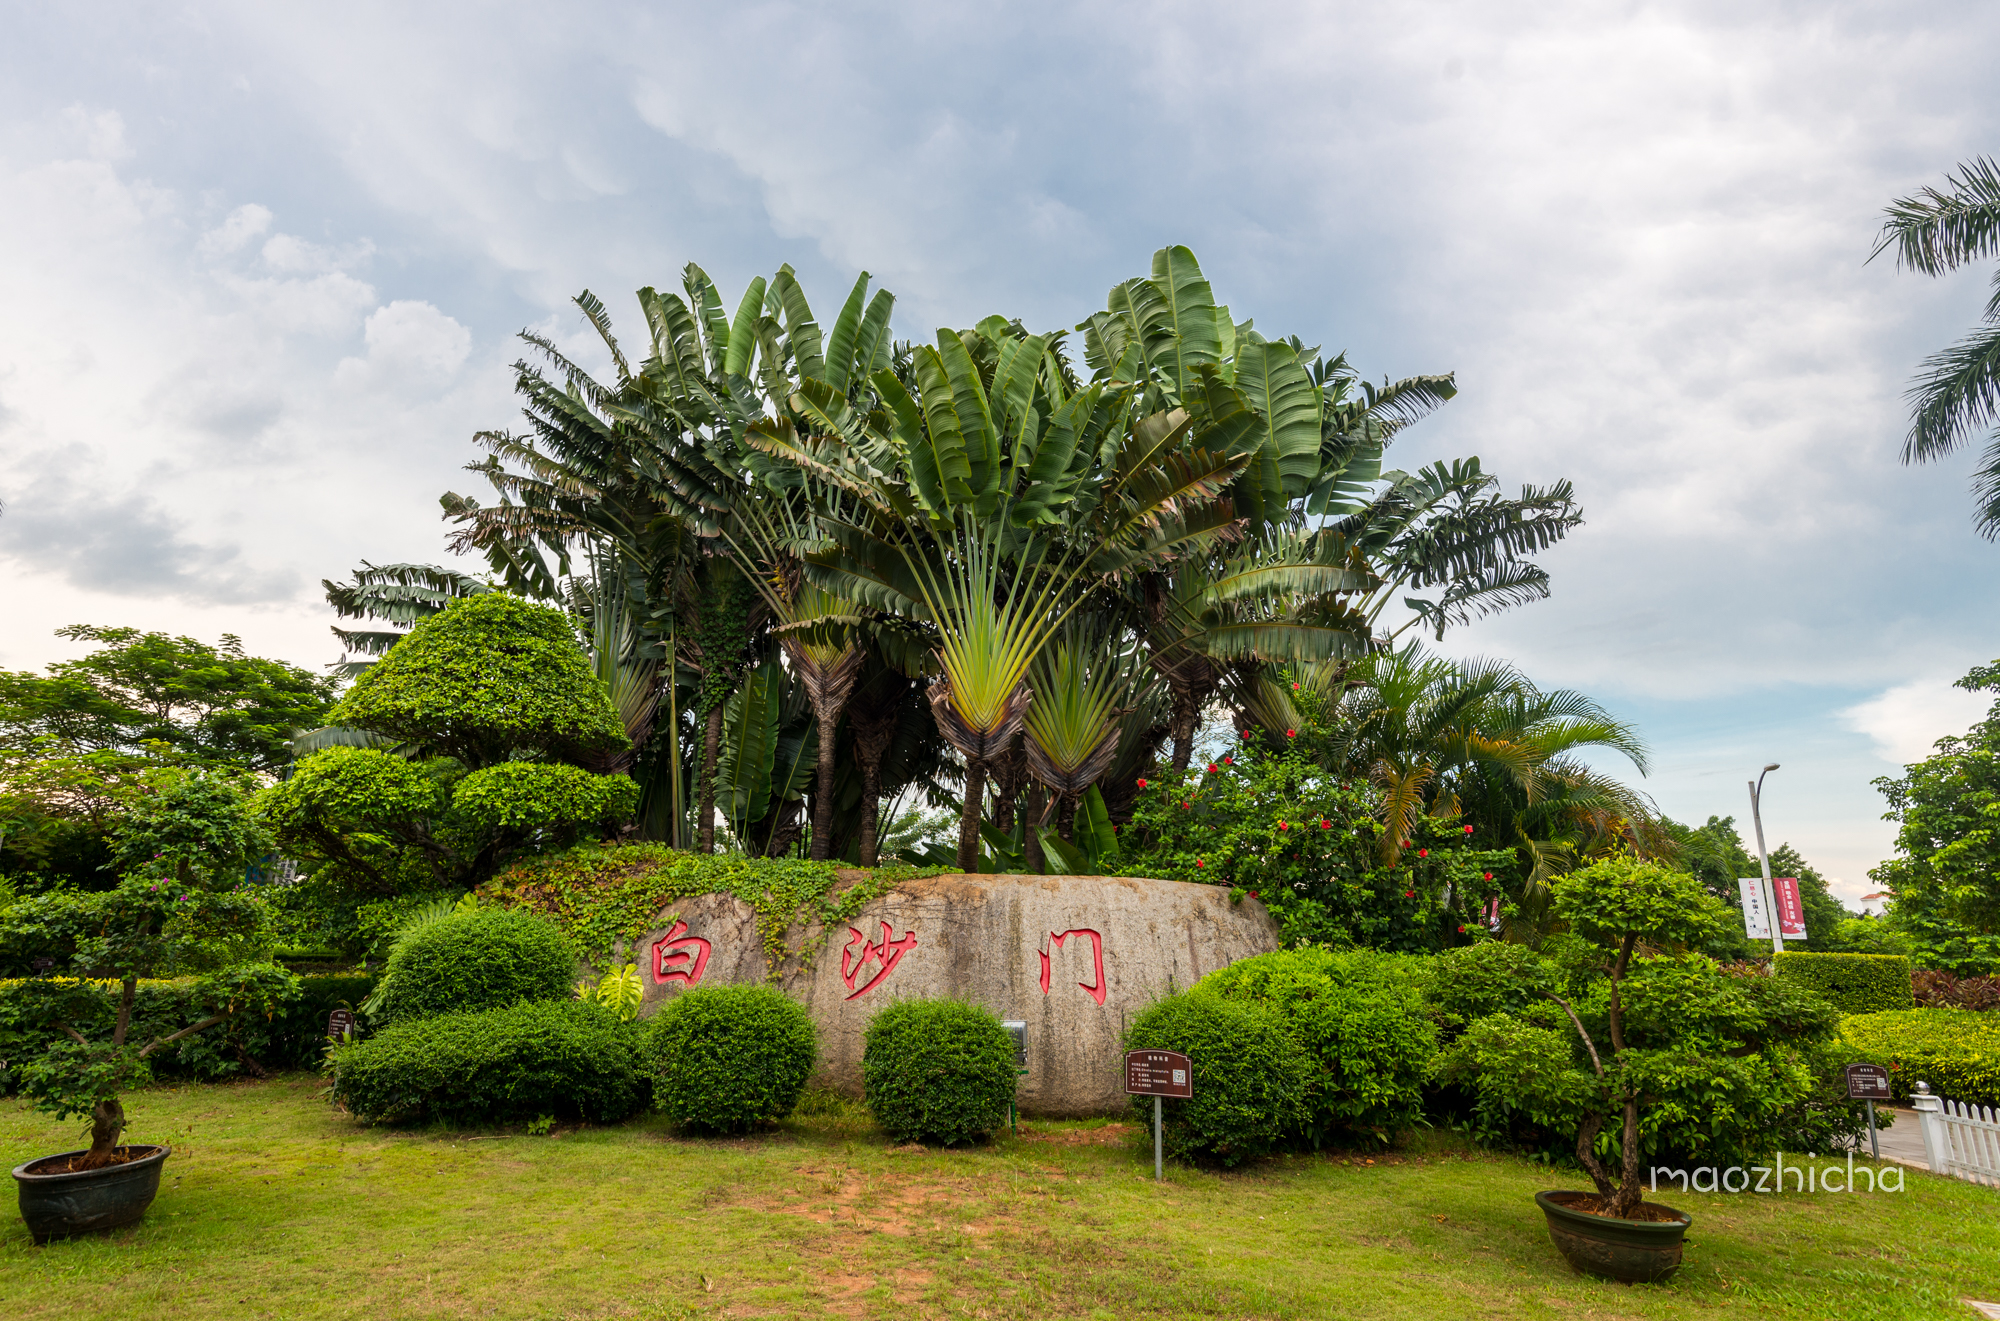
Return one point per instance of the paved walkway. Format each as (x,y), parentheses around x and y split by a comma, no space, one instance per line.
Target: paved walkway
(1902,1143)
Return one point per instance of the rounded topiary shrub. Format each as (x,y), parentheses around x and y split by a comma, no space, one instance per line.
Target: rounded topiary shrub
(725,1058)
(567,1059)
(937,1071)
(1359,1017)
(1250,1077)
(484,959)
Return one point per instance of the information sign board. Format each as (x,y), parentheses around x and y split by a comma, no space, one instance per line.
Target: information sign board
(1158,1073)
(1867,1082)
(340,1024)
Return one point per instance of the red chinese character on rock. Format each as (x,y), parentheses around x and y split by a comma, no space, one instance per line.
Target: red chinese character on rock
(886,952)
(1097,958)
(679,957)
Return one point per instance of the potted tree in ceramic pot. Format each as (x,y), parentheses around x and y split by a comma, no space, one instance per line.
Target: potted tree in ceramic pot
(1635,1034)
(180,911)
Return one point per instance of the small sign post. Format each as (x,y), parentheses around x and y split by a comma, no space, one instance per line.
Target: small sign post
(1158,1073)
(1866,1082)
(1019,1031)
(340,1024)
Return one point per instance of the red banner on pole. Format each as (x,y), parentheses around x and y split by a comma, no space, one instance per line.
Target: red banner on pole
(1791,913)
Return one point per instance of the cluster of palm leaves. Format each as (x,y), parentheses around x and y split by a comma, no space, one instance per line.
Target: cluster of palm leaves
(824,572)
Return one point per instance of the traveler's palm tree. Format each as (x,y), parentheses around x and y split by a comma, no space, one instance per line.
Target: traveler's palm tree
(1957,390)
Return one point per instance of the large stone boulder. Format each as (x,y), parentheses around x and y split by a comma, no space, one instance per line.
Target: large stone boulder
(1073,957)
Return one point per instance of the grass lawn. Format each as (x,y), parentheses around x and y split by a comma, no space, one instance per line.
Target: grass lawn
(273,1205)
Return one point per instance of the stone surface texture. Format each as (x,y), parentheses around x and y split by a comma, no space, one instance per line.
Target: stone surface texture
(1074,957)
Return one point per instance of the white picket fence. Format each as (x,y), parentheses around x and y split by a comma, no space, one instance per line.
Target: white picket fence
(1959,1139)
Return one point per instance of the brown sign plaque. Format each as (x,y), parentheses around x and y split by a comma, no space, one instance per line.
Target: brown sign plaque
(1158,1073)
(340,1024)
(1867,1082)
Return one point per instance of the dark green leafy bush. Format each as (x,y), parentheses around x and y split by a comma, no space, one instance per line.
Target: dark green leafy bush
(1956,1051)
(565,1058)
(1250,1077)
(1359,1018)
(1308,845)
(292,1036)
(1852,983)
(726,1058)
(484,959)
(937,1071)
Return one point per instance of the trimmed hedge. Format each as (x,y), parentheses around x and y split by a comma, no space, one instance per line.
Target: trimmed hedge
(1956,1051)
(727,1058)
(937,1070)
(485,959)
(1359,1017)
(569,1059)
(1852,983)
(1249,1076)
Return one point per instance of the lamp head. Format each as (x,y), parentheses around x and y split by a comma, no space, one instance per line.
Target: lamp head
(1772,767)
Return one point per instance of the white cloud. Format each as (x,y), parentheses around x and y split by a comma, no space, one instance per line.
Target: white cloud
(245,223)
(1906,720)
(408,340)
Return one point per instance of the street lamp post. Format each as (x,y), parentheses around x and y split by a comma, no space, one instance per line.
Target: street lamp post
(1764,860)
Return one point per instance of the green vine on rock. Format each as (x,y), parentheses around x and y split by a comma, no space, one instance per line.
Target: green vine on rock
(606,897)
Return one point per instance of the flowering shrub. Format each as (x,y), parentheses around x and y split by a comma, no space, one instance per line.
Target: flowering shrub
(1276,826)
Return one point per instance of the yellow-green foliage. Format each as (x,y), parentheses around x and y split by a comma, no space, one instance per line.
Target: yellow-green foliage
(605,896)
(1956,1051)
(1852,983)
(489,676)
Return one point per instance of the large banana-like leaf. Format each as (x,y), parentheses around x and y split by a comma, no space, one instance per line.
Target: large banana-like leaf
(873,346)
(840,344)
(802,336)
(794,765)
(1287,640)
(1059,459)
(1186,310)
(1094,834)
(973,416)
(750,738)
(706,304)
(1282,394)
(743,330)
(867,570)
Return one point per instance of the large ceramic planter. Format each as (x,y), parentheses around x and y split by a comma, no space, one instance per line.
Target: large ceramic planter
(56,1205)
(1636,1251)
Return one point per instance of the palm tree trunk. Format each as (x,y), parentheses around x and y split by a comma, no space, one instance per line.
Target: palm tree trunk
(968,821)
(711,752)
(822,825)
(1187,711)
(1066,818)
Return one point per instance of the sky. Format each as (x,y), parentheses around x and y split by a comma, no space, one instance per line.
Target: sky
(264,267)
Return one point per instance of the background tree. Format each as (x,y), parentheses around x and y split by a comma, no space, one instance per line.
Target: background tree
(213,704)
(1945,877)
(1957,390)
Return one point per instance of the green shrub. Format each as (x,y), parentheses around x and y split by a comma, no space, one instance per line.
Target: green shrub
(293,1036)
(484,959)
(1852,983)
(1492,977)
(1249,1076)
(937,1070)
(1359,1018)
(1274,823)
(729,1057)
(1956,1051)
(568,1059)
